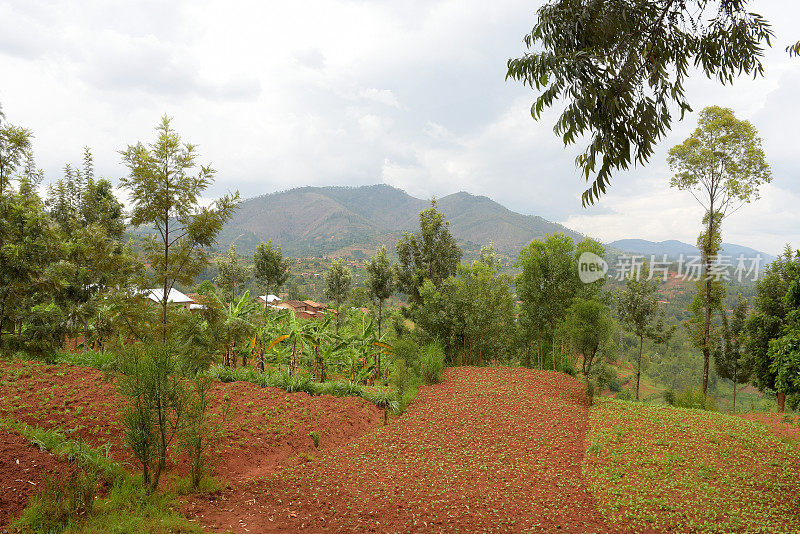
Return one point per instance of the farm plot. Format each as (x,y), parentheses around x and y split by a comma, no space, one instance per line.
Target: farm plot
(489,450)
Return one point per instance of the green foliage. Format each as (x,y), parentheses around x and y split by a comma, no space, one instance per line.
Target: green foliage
(622,66)
(431,363)
(155,406)
(769,315)
(270,269)
(690,398)
(231,273)
(314,435)
(199,435)
(429,254)
(588,326)
(165,195)
(637,309)
(380,280)
(15,147)
(549,282)
(338,281)
(471,313)
(730,360)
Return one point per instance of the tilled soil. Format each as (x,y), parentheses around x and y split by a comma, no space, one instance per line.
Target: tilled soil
(23,468)
(489,450)
(264,428)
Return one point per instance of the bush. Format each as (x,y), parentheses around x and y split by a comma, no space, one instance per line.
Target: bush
(432,364)
(691,398)
(199,435)
(568,368)
(155,404)
(624,394)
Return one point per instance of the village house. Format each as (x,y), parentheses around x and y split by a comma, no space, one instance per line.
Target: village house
(304,309)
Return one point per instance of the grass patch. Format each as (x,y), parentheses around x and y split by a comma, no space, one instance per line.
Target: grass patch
(70,505)
(688,470)
(380,397)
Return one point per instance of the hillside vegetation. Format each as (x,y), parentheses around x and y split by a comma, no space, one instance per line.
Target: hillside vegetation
(324,220)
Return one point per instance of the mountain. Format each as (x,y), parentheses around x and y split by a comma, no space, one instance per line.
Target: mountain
(673,249)
(334,220)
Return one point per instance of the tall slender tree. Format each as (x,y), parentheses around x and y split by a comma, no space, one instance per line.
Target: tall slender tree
(15,146)
(166,195)
(637,309)
(338,281)
(380,281)
(270,269)
(722,165)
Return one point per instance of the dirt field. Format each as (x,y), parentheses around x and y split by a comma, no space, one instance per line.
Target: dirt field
(489,450)
(265,428)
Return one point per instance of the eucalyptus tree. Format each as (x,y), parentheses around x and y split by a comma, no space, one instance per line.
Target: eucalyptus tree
(338,281)
(637,309)
(621,68)
(722,165)
(589,327)
(380,280)
(431,253)
(166,195)
(270,269)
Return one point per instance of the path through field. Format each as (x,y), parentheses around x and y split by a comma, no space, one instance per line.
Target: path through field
(489,450)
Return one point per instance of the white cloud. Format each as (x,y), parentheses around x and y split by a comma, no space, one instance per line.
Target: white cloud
(279,95)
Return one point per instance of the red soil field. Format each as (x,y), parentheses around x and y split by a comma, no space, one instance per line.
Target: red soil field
(489,450)
(775,421)
(22,471)
(266,427)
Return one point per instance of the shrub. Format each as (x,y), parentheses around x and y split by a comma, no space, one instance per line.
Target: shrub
(199,435)
(691,398)
(432,364)
(155,404)
(568,368)
(314,435)
(624,394)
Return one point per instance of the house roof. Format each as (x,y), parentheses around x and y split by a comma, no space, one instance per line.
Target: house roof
(315,304)
(175,296)
(269,298)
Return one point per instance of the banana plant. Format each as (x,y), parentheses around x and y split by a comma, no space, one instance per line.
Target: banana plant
(236,327)
(368,348)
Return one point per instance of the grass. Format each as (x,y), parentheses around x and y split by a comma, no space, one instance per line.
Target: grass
(381,397)
(127,507)
(688,470)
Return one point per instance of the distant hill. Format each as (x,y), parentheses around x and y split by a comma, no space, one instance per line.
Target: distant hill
(673,249)
(335,220)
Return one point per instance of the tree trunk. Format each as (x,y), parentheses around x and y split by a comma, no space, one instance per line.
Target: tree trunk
(735,369)
(781,402)
(707,325)
(554,347)
(639,365)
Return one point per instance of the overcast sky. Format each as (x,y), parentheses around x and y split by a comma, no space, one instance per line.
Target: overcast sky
(410,93)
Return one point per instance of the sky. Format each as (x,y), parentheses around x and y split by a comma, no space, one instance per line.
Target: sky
(413,94)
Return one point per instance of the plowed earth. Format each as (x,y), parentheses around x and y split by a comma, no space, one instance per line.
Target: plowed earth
(265,428)
(489,450)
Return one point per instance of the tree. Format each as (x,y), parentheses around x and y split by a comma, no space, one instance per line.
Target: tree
(549,281)
(730,359)
(637,309)
(380,281)
(722,165)
(231,273)
(431,253)
(338,280)
(15,146)
(269,269)
(471,313)
(784,351)
(165,195)
(622,66)
(589,328)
